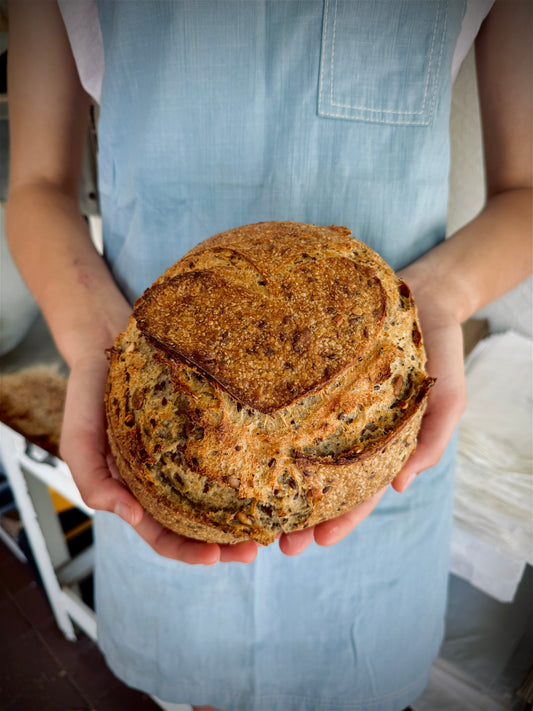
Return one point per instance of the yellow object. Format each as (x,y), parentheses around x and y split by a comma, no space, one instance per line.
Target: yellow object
(60,503)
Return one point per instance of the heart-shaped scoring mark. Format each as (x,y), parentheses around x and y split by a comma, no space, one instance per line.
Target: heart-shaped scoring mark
(272,339)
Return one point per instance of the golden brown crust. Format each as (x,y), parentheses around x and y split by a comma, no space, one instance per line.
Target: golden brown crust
(293,311)
(271,379)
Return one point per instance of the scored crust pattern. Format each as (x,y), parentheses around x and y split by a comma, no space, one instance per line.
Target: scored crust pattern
(271,379)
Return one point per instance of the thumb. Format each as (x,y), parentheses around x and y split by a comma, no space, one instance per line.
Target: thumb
(83,442)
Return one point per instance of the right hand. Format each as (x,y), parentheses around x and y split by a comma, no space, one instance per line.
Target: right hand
(84,448)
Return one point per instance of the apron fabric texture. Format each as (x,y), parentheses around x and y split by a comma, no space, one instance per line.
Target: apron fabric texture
(217,114)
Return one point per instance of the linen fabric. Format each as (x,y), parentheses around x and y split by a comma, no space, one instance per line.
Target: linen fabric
(83,28)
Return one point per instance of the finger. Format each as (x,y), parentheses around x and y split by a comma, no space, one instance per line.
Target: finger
(84,449)
(244,552)
(437,429)
(446,404)
(83,443)
(296,542)
(171,545)
(239,552)
(188,550)
(112,466)
(94,480)
(333,531)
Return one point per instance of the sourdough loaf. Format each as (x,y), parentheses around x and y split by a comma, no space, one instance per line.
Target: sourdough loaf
(271,379)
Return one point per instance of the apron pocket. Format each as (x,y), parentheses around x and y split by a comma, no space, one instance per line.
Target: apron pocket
(381,60)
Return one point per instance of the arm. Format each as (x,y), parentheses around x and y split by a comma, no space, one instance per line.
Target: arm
(51,244)
(492,253)
(483,260)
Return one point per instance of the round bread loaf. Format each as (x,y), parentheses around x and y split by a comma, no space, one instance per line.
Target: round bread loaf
(271,379)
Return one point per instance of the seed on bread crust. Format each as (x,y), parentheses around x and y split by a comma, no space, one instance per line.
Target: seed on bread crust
(277,374)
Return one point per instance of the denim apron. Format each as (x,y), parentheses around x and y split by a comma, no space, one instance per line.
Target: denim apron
(217,114)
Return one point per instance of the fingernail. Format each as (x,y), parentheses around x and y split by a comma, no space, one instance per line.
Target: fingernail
(329,536)
(411,478)
(333,533)
(125,512)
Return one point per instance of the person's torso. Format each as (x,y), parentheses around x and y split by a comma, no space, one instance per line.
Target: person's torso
(219,114)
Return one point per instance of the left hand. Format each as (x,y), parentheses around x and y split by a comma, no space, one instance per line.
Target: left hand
(446,402)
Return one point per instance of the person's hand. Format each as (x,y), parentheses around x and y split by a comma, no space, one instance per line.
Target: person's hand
(328,532)
(443,340)
(446,402)
(84,449)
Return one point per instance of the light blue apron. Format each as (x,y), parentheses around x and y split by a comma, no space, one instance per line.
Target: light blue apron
(216,114)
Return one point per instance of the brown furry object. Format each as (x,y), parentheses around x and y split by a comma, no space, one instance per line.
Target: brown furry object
(32,402)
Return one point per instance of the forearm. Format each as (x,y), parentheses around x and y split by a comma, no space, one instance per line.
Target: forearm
(51,244)
(483,260)
(47,234)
